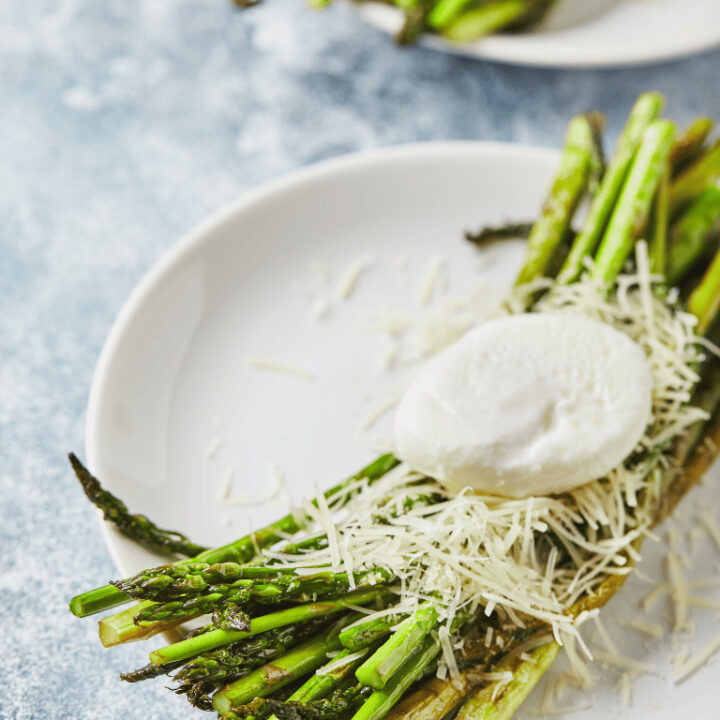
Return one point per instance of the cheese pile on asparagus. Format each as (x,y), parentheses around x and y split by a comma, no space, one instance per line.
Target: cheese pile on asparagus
(450,568)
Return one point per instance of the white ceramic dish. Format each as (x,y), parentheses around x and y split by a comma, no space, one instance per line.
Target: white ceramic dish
(588,33)
(172,379)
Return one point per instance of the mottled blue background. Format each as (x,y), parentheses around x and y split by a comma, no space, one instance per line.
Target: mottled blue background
(122,124)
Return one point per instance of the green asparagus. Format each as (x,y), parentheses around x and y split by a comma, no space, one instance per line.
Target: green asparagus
(695,178)
(191,647)
(293,665)
(646,110)
(242,550)
(136,527)
(690,144)
(629,218)
(688,240)
(570,184)
(388,658)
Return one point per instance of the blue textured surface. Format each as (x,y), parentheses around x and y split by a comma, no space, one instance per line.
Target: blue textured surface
(122,124)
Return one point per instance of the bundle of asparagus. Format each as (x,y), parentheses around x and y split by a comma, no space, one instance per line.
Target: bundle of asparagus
(458,20)
(291,636)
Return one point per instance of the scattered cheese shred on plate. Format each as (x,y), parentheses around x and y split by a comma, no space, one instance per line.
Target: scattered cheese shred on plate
(650,629)
(711,526)
(213,446)
(263,363)
(695,663)
(623,663)
(433,275)
(352,274)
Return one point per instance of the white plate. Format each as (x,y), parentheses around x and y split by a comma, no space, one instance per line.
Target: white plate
(588,33)
(172,378)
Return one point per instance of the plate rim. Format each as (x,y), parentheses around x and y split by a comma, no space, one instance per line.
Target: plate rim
(505,49)
(188,242)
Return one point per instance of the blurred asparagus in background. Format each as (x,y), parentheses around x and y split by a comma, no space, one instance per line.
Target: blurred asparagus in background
(457,20)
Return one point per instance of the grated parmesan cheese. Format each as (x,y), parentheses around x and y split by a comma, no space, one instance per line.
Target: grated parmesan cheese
(342,662)
(623,663)
(320,309)
(627,689)
(212,448)
(262,363)
(226,484)
(648,602)
(653,630)
(448,653)
(708,521)
(320,270)
(678,590)
(703,602)
(434,274)
(352,274)
(694,664)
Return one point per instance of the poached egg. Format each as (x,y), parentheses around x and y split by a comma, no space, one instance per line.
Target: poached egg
(532,404)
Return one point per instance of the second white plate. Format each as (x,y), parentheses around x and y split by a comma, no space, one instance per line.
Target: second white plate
(588,33)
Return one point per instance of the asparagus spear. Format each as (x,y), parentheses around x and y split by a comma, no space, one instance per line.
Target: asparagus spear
(598,163)
(363,634)
(444,12)
(265,584)
(328,677)
(485,20)
(690,143)
(695,178)
(630,216)
(706,397)
(231,616)
(659,226)
(293,665)
(535,14)
(415,22)
(178,610)
(380,702)
(676,484)
(241,550)
(388,658)
(190,647)
(690,233)
(704,302)
(491,234)
(647,108)
(220,667)
(337,706)
(284,588)
(148,672)
(559,208)
(136,527)
(498,702)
